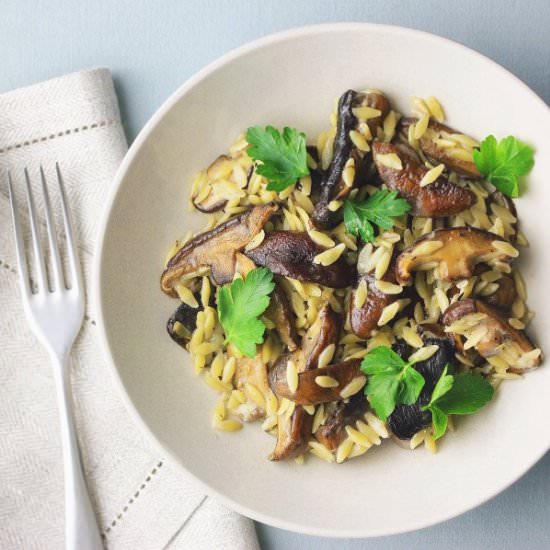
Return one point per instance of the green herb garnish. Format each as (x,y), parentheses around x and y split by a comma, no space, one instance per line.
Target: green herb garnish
(391,381)
(379,209)
(282,156)
(464,393)
(240,303)
(502,162)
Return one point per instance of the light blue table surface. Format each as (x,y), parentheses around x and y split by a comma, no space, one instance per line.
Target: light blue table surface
(153,46)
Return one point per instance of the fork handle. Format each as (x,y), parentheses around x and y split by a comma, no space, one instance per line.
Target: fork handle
(81,530)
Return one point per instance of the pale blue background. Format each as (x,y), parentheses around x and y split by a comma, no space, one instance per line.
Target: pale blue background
(153,46)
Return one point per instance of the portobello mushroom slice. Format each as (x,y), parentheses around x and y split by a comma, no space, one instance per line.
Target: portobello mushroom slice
(454,251)
(406,420)
(214,251)
(236,169)
(293,432)
(311,384)
(438,199)
(333,431)
(280,313)
(353,108)
(291,253)
(485,329)
(444,144)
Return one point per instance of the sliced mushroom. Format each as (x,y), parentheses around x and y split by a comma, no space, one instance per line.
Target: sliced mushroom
(291,253)
(333,430)
(438,199)
(406,420)
(280,313)
(235,169)
(505,295)
(444,144)
(214,251)
(322,333)
(491,334)
(183,322)
(251,370)
(364,319)
(347,152)
(310,390)
(293,433)
(456,251)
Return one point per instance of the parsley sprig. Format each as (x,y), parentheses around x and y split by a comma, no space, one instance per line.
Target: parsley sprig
(502,162)
(282,156)
(240,304)
(391,380)
(464,393)
(379,209)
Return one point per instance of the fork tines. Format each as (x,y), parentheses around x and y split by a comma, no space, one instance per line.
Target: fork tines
(57,281)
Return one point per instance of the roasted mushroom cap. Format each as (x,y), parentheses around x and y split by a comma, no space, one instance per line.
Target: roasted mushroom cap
(345,413)
(443,144)
(280,313)
(183,322)
(235,169)
(293,432)
(456,251)
(214,251)
(310,390)
(438,199)
(347,154)
(291,253)
(486,330)
(406,420)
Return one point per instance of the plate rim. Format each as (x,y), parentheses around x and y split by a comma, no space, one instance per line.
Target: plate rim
(96,293)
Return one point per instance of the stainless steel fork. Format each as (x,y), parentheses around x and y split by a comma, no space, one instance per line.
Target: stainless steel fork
(55,313)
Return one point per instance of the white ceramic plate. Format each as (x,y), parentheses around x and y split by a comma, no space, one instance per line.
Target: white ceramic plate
(293,78)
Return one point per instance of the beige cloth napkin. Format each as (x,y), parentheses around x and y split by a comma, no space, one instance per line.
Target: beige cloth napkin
(141,499)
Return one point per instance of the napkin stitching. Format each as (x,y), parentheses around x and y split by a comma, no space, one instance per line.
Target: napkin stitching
(132,499)
(69,131)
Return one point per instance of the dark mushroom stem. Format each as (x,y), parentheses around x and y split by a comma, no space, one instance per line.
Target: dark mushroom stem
(333,187)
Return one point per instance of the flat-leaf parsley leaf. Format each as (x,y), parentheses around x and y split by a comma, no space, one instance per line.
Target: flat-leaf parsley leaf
(240,303)
(282,156)
(391,380)
(464,393)
(502,162)
(379,209)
